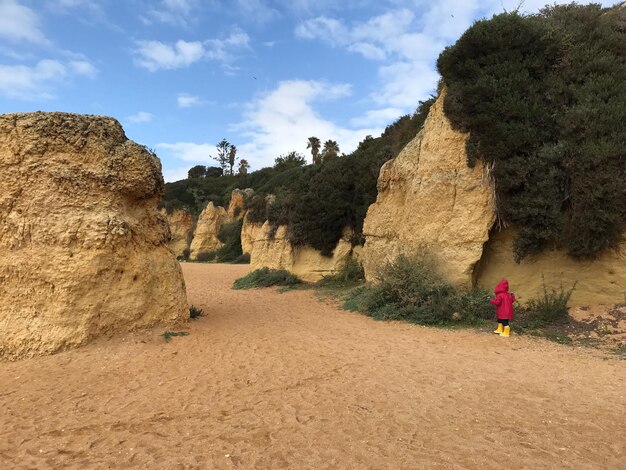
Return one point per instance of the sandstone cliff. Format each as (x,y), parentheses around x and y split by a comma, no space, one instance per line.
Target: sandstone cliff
(430,200)
(182,226)
(208,227)
(277,253)
(597,282)
(82,246)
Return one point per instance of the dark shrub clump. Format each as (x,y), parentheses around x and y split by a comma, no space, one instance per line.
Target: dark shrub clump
(543,98)
(266,277)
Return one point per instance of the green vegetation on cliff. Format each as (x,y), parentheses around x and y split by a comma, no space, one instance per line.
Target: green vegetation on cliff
(544,100)
(315,202)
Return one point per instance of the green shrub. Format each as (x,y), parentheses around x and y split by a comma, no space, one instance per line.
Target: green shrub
(543,98)
(351,274)
(242,259)
(230,236)
(410,289)
(168,335)
(266,277)
(550,309)
(474,307)
(206,256)
(195,312)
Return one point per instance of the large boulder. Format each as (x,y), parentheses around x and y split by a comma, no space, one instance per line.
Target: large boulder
(205,237)
(83,248)
(430,201)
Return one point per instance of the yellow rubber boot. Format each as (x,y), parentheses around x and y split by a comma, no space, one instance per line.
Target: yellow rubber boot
(499,330)
(506,332)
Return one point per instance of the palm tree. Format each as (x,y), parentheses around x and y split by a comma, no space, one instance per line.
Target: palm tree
(330,150)
(314,145)
(243,167)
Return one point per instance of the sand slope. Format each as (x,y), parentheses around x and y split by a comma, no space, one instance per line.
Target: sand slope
(269,380)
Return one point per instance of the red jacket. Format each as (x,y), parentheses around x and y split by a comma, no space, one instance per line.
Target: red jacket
(503,301)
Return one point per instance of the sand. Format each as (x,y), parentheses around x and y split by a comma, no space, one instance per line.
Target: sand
(268,380)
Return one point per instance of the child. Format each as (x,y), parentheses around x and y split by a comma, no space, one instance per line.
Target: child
(504,307)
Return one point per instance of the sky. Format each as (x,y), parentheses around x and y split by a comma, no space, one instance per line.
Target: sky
(181,75)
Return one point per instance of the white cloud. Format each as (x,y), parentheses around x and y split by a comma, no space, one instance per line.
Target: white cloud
(156,55)
(38,82)
(19,23)
(222,49)
(257,10)
(282,120)
(172,12)
(83,67)
(187,101)
(140,117)
(175,174)
(378,117)
(275,124)
(189,151)
(64,6)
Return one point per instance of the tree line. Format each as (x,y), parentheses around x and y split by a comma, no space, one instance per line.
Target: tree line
(227,159)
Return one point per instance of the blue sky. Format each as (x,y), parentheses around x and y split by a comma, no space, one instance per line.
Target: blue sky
(180,75)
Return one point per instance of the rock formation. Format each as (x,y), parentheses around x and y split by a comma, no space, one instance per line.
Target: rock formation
(276,252)
(82,246)
(429,200)
(599,281)
(236,208)
(182,226)
(205,237)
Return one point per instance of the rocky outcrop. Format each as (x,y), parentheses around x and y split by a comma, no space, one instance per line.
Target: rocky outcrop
(236,207)
(429,200)
(249,234)
(597,282)
(182,227)
(207,229)
(274,251)
(82,245)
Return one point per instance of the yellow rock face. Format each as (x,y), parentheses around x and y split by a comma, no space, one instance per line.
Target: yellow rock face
(602,281)
(277,253)
(429,200)
(181,227)
(208,226)
(83,248)
(236,207)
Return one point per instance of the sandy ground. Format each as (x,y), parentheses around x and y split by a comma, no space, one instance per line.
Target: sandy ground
(269,380)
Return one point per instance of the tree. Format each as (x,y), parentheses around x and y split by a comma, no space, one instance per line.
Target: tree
(314,145)
(232,158)
(198,171)
(330,150)
(213,172)
(223,152)
(243,167)
(292,160)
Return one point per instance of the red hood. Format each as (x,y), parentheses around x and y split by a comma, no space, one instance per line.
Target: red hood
(503,286)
